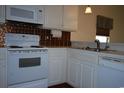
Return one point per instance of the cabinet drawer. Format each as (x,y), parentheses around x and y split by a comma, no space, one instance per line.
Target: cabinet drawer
(74,52)
(56,52)
(83,55)
(89,58)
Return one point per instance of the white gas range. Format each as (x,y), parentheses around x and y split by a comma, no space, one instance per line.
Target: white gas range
(27,65)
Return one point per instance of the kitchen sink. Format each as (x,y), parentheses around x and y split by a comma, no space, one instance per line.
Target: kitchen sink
(95,49)
(90,49)
(108,50)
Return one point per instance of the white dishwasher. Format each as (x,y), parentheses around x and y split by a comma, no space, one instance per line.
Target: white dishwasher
(111,72)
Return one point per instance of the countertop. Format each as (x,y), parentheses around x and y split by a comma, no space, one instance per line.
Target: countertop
(111,53)
(114,53)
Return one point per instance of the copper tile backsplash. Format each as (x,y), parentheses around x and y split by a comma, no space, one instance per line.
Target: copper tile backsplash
(46,38)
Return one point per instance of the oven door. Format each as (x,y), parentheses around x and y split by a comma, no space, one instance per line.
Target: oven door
(25,67)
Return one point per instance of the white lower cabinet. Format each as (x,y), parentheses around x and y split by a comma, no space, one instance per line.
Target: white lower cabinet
(81,74)
(74,69)
(3,75)
(57,66)
(3,68)
(82,68)
(88,75)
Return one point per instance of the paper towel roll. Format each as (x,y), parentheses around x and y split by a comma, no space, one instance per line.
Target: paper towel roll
(56,33)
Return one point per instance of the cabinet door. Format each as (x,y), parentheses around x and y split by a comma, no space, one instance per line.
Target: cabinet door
(55,72)
(3,78)
(74,70)
(53,16)
(87,76)
(40,14)
(3,68)
(2,13)
(57,66)
(70,17)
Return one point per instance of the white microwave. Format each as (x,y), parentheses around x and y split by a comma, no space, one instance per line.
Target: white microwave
(25,13)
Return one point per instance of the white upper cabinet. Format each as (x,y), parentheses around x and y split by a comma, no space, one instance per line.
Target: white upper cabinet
(70,17)
(2,13)
(61,17)
(40,14)
(53,17)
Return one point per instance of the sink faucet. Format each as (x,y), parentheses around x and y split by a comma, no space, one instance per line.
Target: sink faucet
(98,45)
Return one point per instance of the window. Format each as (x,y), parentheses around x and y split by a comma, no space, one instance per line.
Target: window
(103,27)
(103,39)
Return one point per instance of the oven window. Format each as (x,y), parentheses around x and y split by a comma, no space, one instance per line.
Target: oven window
(29,62)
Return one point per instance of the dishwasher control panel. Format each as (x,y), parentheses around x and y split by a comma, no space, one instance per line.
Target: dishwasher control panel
(112,62)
